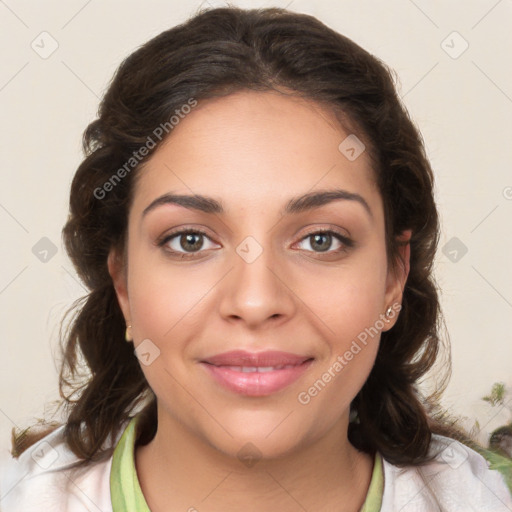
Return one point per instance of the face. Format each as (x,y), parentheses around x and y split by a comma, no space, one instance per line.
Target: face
(256,268)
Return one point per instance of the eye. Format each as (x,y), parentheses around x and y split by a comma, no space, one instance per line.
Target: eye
(321,241)
(185,242)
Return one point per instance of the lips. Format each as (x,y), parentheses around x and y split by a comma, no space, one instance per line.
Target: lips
(269,358)
(257,373)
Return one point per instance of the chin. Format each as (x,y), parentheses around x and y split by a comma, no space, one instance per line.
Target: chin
(256,439)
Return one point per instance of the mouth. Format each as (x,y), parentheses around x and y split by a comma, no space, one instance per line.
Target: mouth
(256,374)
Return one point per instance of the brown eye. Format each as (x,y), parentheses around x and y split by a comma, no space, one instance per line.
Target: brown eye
(191,242)
(186,242)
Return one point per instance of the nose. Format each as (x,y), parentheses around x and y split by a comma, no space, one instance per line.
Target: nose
(257,291)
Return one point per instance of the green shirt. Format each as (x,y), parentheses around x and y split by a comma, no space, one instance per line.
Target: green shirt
(127,495)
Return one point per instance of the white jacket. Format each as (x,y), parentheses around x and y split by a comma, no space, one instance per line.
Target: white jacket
(459,477)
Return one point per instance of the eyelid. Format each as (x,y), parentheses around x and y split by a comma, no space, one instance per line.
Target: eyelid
(328,229)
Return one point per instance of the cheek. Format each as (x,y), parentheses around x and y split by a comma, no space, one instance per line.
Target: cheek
(352,340)
(350,299)
(165,304)
(350,305)
(163,297)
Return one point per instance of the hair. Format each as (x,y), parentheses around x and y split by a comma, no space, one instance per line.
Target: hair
(213,54)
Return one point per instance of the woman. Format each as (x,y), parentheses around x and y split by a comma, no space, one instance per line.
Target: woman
(255,222)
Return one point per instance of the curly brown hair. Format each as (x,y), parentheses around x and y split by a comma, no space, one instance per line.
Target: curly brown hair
(215,53)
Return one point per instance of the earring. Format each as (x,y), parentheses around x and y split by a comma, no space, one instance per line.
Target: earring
(388,313)
(128,334)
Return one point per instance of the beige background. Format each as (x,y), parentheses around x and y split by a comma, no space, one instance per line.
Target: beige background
(462,104)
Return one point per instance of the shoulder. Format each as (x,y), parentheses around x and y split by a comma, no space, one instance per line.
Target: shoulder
(458,477)
(45,477)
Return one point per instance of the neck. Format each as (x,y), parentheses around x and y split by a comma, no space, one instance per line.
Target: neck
(179,470)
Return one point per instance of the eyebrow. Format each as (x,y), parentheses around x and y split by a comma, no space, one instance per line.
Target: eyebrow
(295,205)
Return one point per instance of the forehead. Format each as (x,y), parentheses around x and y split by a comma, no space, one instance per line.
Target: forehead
(256,148)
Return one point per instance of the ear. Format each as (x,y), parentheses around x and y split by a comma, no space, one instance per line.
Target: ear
(397,277)
(117,271)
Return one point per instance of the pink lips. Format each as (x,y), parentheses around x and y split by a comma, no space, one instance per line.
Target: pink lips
(257,373)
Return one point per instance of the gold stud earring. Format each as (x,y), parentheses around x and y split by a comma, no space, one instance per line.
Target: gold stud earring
(128,334)
(388,313)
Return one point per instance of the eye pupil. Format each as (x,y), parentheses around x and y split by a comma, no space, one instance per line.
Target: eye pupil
(318,238)
(189,239)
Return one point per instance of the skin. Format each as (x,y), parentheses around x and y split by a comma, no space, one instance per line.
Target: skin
(294,297)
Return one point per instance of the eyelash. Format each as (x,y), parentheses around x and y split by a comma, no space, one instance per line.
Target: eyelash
(346,242)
